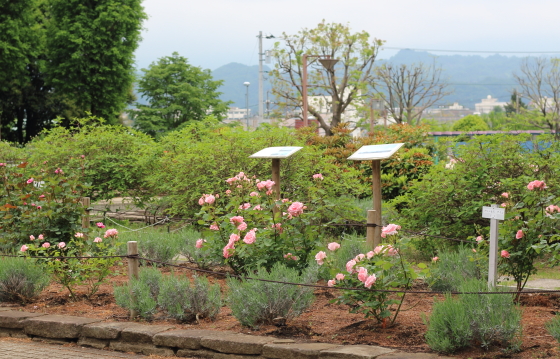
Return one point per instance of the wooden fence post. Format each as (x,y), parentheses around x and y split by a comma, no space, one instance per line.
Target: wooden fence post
(132,249)
(86,203)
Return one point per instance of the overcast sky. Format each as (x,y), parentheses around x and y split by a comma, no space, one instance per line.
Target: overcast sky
(212,33)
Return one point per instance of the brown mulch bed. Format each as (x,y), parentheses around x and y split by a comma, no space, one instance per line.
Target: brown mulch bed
(324,321)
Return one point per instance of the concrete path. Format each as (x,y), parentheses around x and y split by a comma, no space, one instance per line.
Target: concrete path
(26,349)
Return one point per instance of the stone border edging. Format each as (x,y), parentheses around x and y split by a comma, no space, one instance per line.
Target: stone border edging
(165,340)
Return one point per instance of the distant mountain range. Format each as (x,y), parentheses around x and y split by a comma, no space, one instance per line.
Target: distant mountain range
(471,77)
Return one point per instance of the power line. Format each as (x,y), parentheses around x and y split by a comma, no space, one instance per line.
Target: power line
(474,51)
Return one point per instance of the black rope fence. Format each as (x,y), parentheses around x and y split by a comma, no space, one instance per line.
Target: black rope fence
(530,291)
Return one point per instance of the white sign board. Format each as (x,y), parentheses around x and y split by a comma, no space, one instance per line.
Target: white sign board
(375,152)
(494,213)
(276,152)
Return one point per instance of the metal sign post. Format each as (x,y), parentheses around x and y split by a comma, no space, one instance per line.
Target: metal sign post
(375,153)
(495,214)
(276,153)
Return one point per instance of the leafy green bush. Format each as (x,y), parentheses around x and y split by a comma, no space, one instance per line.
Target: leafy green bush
(116,158)
(155,244)
(488,319)
(21,280)
(185,302)
(199,256)
(9,153)
(453,267)
(146,291)
(254,302)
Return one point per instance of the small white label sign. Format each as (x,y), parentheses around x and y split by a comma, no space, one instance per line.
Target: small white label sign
(494,213)
(375,152)
(276,152)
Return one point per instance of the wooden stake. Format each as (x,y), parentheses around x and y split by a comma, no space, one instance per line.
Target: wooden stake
(376,190)
(132,249)
(85,201)
(276,176)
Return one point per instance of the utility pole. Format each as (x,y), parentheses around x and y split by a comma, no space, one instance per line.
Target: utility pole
(260,77)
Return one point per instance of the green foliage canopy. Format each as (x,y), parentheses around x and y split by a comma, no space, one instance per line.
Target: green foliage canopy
(470,123)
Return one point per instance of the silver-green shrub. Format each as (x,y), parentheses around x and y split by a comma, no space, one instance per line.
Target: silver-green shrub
(21,279)
(145,290)
(185,302)
(254,302)
(488,319)
(553,327)
(454,267)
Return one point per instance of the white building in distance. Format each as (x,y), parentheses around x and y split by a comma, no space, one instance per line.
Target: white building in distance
(487,105)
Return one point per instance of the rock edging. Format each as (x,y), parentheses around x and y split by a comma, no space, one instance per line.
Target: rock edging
(165,340)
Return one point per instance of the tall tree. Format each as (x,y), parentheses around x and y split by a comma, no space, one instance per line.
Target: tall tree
(177,92)
(408,90)
(356,53)
(90,50)
(539,79)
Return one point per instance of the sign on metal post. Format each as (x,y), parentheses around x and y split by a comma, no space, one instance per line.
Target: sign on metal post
(495,214)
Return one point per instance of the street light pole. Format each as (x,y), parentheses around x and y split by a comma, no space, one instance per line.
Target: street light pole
(328,64)
(247,104)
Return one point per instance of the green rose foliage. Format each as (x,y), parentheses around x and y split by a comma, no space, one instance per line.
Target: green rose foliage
(116,158)
(41,200)
(449,199)
(197,159)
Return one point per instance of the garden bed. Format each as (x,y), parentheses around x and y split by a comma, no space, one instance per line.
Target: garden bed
(325,321)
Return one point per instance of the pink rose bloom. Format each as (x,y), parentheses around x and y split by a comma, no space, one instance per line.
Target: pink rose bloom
(33,204)
(284,200)
(230,181)
(2,164)
(390,230)
(39,207)
(319,257)
(23,248)
(111,233)
(42,196)
(79,235)
(234,238)
(333,246)
(46,245)
(83,156)
(30,181)
(236,219)
(228,192)
(370,281)
(210,199)
(250,237)
(504,205)
(242,226)
(254,194)
(228,250)
(269,192)
(505,195)
(32,237)
(536,185)
(97,240)
(331,283)
(278,227)
(288,255)
(359,257)
(479,239)
(552,208)
(378,249)
(370,254)
(350,266)
(474,250)
(392,251)
(257,208)
(100,225)
(362,274)
(519,234)
(504,254)
(41,237)
(296,209)
(61,245)
(339,276)
(201,201)
(245,206)
(435,259)
(199,243)
(214,227)
(318,176)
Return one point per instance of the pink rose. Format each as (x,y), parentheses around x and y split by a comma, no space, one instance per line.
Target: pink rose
(41,237)
(245,206)
(435,259)
(350,265)
(257,208)
(79,235)
(370,254)
(505,195)
(100,225)
(254,194)
(214,227)
(228,250)
(392,251)
(536,185)
(296,209)
(331,283)
(61,245)
(242,226)
(42,196)
(339,276)
(39,207)
(236,219)
(250,237)
(111,233)
(199,243)
(479,239)
(97,240)
(552,208)
(32,237)
(23,248)
(359,257)
(201,201)
(519,234)
(46,245)
(504,254)
(284,200)
(504,205)
(228,192)
(333,246)
(318,176)
(234,238)
(320,257)
(30,180)
(210,199)
(370,281)
(378,249)
(362,274)
(390,230)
